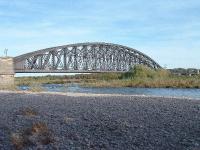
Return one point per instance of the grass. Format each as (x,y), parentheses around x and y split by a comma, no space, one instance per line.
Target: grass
(29,112)
(142,76)
(29,81)
(36,87)
(138,76)
(37,134)
(11,87)
(18,141)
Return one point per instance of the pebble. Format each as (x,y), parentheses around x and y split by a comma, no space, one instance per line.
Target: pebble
(108,122)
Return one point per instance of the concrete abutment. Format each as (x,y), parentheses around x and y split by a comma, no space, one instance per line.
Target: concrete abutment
(6,72)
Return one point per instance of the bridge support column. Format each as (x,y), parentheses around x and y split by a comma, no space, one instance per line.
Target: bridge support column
(6,72)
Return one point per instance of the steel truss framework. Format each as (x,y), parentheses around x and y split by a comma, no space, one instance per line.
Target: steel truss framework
(83,57)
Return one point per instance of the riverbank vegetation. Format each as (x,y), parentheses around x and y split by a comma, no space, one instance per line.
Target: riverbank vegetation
(9,88)
(141,76)
(138,76)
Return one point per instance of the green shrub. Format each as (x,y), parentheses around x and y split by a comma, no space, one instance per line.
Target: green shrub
(140,71)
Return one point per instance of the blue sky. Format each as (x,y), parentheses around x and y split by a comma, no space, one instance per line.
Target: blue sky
(166,30)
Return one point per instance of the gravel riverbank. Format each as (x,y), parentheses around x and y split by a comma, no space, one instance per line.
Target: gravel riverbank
(48,121)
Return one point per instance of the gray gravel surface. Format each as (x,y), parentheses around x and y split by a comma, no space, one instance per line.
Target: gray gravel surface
(103,122)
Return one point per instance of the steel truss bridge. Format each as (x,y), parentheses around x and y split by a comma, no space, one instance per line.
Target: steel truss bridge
(82,57)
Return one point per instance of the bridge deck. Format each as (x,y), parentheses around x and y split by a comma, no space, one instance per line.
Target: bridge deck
(66,71)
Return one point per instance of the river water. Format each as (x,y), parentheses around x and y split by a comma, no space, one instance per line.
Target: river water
(169,92)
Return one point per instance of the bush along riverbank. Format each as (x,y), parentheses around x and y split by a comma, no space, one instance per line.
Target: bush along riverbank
(138,76)
(142,76)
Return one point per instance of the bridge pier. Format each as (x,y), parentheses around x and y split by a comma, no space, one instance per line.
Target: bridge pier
(6,72)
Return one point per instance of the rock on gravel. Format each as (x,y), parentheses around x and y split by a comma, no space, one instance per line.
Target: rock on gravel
(99,122)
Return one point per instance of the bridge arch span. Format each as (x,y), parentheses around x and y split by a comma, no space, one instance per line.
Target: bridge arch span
(83,57)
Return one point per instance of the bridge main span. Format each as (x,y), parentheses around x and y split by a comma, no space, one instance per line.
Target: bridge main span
(81,57)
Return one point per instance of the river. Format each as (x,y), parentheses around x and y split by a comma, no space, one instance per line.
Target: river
(168,92)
